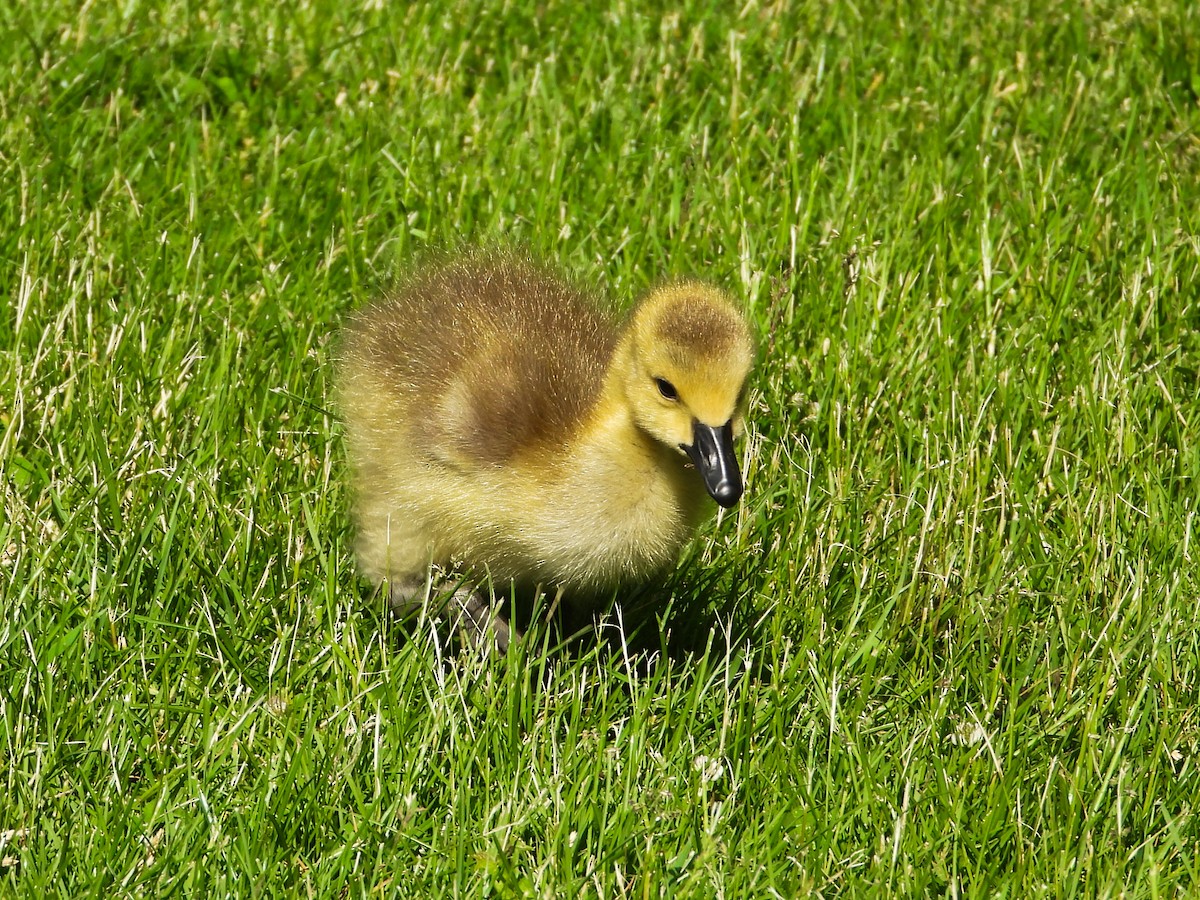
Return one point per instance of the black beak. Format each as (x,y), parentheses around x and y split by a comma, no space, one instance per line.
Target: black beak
(712,452)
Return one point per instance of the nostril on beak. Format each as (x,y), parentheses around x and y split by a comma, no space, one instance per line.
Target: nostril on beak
(712,453)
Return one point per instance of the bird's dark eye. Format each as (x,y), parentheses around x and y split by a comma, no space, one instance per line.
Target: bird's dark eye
(666,389)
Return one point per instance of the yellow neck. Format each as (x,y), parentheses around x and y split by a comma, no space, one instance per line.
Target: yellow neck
(610,437)
(645,484)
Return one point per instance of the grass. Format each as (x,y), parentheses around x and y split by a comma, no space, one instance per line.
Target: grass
(949,644)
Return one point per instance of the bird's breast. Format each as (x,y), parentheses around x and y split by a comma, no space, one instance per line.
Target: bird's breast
(616,521)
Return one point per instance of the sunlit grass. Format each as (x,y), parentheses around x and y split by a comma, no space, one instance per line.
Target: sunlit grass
(948,643)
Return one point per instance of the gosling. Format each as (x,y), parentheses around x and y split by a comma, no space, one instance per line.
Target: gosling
(500,424)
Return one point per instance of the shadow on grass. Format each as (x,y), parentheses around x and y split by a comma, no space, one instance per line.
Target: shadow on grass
(675,620)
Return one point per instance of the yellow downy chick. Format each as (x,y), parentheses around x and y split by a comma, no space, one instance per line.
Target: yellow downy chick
(500,423)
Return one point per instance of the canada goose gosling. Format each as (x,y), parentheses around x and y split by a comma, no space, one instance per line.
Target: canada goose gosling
(498,422)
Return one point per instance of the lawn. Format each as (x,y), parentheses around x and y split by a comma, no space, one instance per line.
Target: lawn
(949,642)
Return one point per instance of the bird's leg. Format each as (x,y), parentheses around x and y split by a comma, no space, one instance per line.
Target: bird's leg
(467,609)
(406,596)
(480,622)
